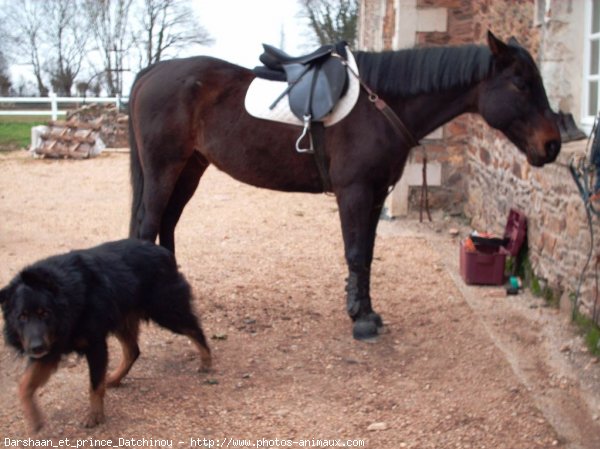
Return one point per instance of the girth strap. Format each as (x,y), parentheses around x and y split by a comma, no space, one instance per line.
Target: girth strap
(317,130)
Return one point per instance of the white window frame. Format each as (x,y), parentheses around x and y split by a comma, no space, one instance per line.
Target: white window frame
(587,121)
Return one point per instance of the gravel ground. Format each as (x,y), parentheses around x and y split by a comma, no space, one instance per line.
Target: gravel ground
(457,366)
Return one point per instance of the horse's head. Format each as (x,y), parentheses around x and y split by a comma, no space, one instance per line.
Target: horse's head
(513,100)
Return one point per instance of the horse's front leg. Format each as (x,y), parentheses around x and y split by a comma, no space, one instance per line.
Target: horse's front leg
(360,207)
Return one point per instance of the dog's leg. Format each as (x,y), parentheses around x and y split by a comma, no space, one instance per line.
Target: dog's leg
(127,336)
(36,374)
(179,319)
(97,358)
(197,337)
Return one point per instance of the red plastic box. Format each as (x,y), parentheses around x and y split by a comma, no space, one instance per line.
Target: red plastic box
(485,266)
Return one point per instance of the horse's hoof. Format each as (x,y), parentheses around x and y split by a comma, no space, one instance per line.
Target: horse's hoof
(365,329)
(376,318)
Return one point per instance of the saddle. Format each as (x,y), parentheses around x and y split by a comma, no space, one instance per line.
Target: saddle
(316,81)
(315,84)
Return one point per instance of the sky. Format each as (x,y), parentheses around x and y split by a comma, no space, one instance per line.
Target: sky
(239,27)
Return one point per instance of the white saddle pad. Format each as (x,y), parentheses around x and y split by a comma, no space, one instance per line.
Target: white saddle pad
(262,93)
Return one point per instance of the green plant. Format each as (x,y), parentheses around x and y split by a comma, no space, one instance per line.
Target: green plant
(589,330)
(16,133)
(509,265)
(525,271)
(592,340)
(535,287)
(585,325)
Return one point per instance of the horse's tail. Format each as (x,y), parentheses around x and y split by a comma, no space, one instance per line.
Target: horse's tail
(137,182)
(135,166)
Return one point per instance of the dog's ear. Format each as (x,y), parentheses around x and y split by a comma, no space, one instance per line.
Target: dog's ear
(38,277)
(5,294)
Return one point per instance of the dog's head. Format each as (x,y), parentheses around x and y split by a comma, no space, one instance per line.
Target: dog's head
(29,306)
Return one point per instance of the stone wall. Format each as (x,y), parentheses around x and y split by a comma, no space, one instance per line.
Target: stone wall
(406,23)
(482,172)
(449,148)
(558,234)
(499,176)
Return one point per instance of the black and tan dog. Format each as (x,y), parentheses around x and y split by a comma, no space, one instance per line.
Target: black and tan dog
(71,302)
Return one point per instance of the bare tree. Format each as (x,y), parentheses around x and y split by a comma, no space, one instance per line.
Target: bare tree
(82,87)
(5,82)
(67,38)
(168,25)
(109,20)
(332,20)
(24,25)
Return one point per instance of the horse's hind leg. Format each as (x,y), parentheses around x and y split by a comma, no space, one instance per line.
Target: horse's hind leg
(184,190)
(159,183)
(163,163)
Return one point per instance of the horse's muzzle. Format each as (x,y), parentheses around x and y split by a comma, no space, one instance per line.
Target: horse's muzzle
(552,148)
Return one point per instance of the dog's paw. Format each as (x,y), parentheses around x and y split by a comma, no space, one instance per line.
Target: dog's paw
(206,358)
(205,369)
(34,418)
(113,382)
(93,419)
(36,424)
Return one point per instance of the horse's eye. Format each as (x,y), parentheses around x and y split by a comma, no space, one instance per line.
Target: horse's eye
(42,313)
(519,82)
(24,316)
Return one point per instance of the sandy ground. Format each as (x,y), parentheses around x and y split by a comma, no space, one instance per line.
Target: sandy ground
(457,366)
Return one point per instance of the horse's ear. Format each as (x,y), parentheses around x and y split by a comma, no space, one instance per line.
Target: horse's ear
(497,47)
(514,42)
(502,54)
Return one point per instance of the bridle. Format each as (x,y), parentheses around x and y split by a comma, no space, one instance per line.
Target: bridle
(383,107)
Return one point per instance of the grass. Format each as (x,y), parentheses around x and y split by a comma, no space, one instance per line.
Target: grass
(589,330)
(15,132)
(585,325)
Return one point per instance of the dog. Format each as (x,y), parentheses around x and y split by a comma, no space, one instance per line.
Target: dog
(72,302)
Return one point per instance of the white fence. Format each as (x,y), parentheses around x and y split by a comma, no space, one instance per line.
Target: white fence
(55,105)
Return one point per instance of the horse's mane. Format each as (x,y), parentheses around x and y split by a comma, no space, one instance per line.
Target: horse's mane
(432,69)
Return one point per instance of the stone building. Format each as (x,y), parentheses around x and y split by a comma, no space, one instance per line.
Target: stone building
(478,171)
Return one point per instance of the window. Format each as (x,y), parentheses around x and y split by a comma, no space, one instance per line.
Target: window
(591,81)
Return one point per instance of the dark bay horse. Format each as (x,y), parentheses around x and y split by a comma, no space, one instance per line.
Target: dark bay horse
(188,113)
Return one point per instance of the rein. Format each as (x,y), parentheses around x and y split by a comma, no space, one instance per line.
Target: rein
(383,107)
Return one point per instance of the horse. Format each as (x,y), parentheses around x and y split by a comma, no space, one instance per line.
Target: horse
(186,114)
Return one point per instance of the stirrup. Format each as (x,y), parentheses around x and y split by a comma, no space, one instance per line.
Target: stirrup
(305,131)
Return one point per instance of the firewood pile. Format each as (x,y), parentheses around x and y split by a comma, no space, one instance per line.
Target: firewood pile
(113,124)
(85,133)
(70,139)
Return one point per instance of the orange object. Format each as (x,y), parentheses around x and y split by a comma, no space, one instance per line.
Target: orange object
(469,245)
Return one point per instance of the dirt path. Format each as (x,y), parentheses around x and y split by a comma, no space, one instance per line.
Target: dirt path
(457,367)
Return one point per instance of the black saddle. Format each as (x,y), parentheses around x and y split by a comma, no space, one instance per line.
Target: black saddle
(316,81)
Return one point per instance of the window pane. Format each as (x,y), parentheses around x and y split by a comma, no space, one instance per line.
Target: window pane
(594,56)
(595,16)
(593,98)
